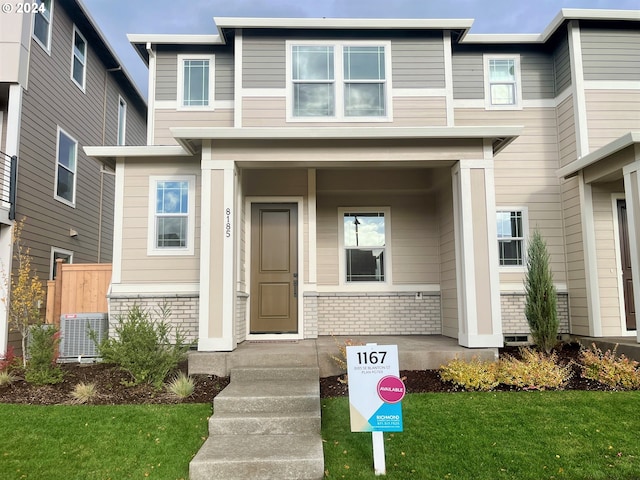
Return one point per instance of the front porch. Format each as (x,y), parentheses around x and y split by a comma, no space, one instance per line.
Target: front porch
(415,352)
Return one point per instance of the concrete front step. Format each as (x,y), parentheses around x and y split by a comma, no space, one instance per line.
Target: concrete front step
(278,396)
(257,457)
(253,374)
(265,423)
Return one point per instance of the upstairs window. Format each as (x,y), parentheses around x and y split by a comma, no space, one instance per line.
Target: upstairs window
(338,82)
(511,227)
(195,81)
(42,23)
(502,82)
(79,59)
(365,246)
(66,168)
(172,215)
(122,121)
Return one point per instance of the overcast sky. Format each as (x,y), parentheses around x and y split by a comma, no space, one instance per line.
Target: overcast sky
(116,18)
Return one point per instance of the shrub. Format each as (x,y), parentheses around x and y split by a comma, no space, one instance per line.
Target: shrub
(42,368)
(471,375)
(534,371)
(143,347)
(182,386)
(9,362)
(617,372)
(7,378)
(84,393)
(541,298)
(341,361)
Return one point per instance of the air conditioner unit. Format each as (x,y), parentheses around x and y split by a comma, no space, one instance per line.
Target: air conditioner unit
(75,337)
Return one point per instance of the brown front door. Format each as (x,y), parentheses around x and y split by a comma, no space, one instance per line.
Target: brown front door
(625,254)
(274,268)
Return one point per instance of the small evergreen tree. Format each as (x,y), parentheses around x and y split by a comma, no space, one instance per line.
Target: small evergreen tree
(541,298)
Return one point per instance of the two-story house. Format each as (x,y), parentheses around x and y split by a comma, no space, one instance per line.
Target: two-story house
(308,177)
(61,87)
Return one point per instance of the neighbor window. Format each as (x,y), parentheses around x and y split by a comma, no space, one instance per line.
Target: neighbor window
(66,167)
(502,81)
(122,121)
(42,23)
(195,81)
(336,81)
(79,59)
(365,243)
(58,253)
(172,219)
(511,227)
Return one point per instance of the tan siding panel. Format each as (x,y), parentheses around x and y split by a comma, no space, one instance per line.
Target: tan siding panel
(165,119)
(611,114)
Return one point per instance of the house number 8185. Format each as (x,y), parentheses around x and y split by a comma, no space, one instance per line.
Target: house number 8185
(227,224)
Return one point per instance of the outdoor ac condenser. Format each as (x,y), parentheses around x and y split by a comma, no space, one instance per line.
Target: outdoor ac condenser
(75,337)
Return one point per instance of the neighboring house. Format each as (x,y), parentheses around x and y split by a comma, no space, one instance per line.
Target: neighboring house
(309,177)
(61,87)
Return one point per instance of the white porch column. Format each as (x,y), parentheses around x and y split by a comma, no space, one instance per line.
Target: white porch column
(632,196)
(217,254)
(478,283)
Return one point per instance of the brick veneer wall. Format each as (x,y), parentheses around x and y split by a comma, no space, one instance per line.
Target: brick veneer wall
(184,310)
(514,321)
(398,313)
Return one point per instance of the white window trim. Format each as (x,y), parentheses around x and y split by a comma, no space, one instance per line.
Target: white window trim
(46,48)
(212,71)
(339,81)
(55,250)
(152,249)
(342,268)
(73,56)
(487,84)
(525,242)
(75,171)
(123,140)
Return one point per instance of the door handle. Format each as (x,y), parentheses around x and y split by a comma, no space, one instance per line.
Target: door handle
(295,285)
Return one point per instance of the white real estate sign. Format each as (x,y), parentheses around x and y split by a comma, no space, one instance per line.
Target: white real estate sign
(375,389)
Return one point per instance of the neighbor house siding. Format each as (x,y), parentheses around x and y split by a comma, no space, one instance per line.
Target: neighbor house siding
(137,266)
(53,100)
(610,54)
(611,114)
(418,62)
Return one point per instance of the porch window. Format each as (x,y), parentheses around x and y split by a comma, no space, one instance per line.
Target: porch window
(365,246)
(172,215)
(502,82)
(511,225)
(339,82)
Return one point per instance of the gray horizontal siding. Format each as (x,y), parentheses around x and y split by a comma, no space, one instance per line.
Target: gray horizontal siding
(609,54)
(167,74)
(537,76)
(562,65)
(418,63)
(468,76)
(263,62)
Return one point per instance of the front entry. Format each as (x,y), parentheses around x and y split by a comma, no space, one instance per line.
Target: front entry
(274,268)
(625,254)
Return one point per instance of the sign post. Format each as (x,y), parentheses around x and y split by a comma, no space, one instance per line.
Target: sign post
(375,392)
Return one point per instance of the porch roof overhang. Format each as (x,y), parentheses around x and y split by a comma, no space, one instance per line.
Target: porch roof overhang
(605,152)
(499,136)
(110,153)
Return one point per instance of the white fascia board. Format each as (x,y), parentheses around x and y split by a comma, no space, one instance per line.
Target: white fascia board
(136,151)
(502,38)
(230,133)
(172,39)
(597,155)
(340,23)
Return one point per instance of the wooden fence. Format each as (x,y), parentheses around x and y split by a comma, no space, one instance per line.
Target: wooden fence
(78,288)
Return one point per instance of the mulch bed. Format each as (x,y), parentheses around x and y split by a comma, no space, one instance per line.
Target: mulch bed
(110,383)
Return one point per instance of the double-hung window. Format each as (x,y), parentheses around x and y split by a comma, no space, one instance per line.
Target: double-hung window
(502,81)
(42,17)
(79,59)
(195,82)
(66,168)
(338,82)
(122,121)
(512,227)
(171,215)
(364,240)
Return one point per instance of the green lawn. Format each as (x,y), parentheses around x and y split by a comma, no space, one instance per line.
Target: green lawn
(475,436)
(100,442)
